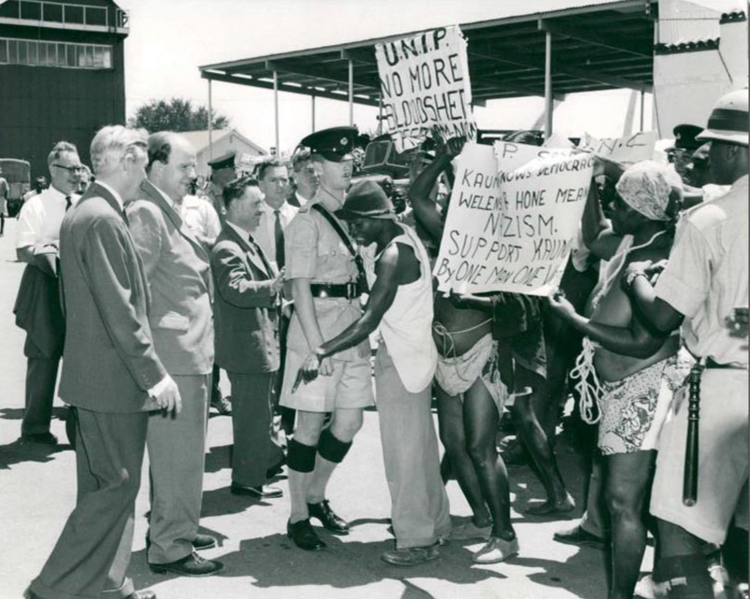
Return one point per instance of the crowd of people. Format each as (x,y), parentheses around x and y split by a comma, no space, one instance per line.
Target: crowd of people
(285,278)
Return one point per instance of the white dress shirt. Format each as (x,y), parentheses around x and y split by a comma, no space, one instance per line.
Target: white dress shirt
(41,217)
(264,235)
(200,217)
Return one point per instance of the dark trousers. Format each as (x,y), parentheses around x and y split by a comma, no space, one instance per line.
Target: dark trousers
(254,451)
(91,556)
(215,388)
(41,378)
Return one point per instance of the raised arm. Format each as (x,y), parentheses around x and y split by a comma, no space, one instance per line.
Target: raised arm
(425,209)
(597,232)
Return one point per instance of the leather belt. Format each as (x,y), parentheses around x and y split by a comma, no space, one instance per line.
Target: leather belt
(325,290)
(711,364)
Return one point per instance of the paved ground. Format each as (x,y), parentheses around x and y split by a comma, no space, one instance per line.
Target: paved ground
(37,492)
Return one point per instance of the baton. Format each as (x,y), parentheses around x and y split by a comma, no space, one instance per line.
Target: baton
(690,477)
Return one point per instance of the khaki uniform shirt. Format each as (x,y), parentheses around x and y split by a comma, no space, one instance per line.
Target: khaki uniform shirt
(313,250)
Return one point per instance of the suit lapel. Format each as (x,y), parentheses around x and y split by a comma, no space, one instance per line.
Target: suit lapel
(250,251)
(155,195)
(99,191)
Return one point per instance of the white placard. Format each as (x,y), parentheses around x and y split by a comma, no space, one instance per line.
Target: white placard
(424,81)
(514,217)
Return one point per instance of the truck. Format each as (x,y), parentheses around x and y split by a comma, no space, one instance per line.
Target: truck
(18,175)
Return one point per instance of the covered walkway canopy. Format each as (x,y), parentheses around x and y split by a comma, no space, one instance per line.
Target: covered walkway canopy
(588,46)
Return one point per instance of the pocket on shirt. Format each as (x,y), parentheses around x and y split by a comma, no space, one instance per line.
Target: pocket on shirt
(173,322)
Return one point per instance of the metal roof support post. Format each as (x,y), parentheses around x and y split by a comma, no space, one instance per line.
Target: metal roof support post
(312,102)
(351,93)
(210,125)
(276,109)
(643,107)
(548,99)
(380,115)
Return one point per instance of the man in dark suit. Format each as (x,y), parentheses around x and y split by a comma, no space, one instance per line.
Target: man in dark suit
(111,375)
(247,341)
(177,270)
(37,307)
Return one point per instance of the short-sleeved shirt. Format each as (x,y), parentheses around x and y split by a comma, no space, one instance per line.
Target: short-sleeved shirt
(707,274)
(199,216)
(313,250)
(41,217)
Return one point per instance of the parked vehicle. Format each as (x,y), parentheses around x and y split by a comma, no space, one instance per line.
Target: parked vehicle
(18,175)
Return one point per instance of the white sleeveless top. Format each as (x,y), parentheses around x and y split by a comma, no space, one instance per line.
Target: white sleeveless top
(406,327)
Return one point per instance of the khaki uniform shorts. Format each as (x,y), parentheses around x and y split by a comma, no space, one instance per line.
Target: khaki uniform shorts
(723,456)
(349,386)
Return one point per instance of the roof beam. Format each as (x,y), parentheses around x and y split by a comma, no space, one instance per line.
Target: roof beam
(590,37)
(283,87)
(566,69)
(504,86)
(273,65)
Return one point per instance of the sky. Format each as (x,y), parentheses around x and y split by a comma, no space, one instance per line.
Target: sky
(170,39)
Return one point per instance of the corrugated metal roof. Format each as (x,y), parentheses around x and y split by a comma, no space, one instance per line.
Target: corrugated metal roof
(596,45)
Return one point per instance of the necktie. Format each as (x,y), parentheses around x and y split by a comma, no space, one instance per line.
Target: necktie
(278,233)
(68,203)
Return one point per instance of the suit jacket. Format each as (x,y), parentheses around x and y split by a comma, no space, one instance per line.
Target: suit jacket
(177,270)
(109,361)
(38,312)
(247,339)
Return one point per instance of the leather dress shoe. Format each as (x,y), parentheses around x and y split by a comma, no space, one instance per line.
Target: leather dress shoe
(276,468)
(304,536)
(146,594)
(223,406)
(262,492)
(200,542)
(41,438)
(330,521)
(190,565)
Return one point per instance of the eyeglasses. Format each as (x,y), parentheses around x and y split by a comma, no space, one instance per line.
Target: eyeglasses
(71,169)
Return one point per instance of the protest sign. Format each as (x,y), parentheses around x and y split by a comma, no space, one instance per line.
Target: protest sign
(626,150)
(424,81)
(513,218)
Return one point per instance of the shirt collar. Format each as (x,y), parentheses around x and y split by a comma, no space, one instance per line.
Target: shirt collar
(59,195)
(240,231)
(111,190)
(301,199)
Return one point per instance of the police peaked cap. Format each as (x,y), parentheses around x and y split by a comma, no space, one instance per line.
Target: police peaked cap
(334,144)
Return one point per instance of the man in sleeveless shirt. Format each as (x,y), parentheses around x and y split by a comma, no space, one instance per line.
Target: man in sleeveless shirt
(400,305)
(322,274)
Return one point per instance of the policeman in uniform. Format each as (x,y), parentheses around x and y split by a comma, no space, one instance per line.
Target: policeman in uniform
(222,172)
(322,277)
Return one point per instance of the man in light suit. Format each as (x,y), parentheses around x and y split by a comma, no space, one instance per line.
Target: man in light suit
(247,336)
(177,270)
(111,375)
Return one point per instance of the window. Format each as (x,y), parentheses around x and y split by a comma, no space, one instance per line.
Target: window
(55,54)
(31,11)
(10,9)
(96,16)
(73,14)
(52,12)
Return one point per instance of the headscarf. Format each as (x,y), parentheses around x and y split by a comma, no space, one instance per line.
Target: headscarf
(646,187)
